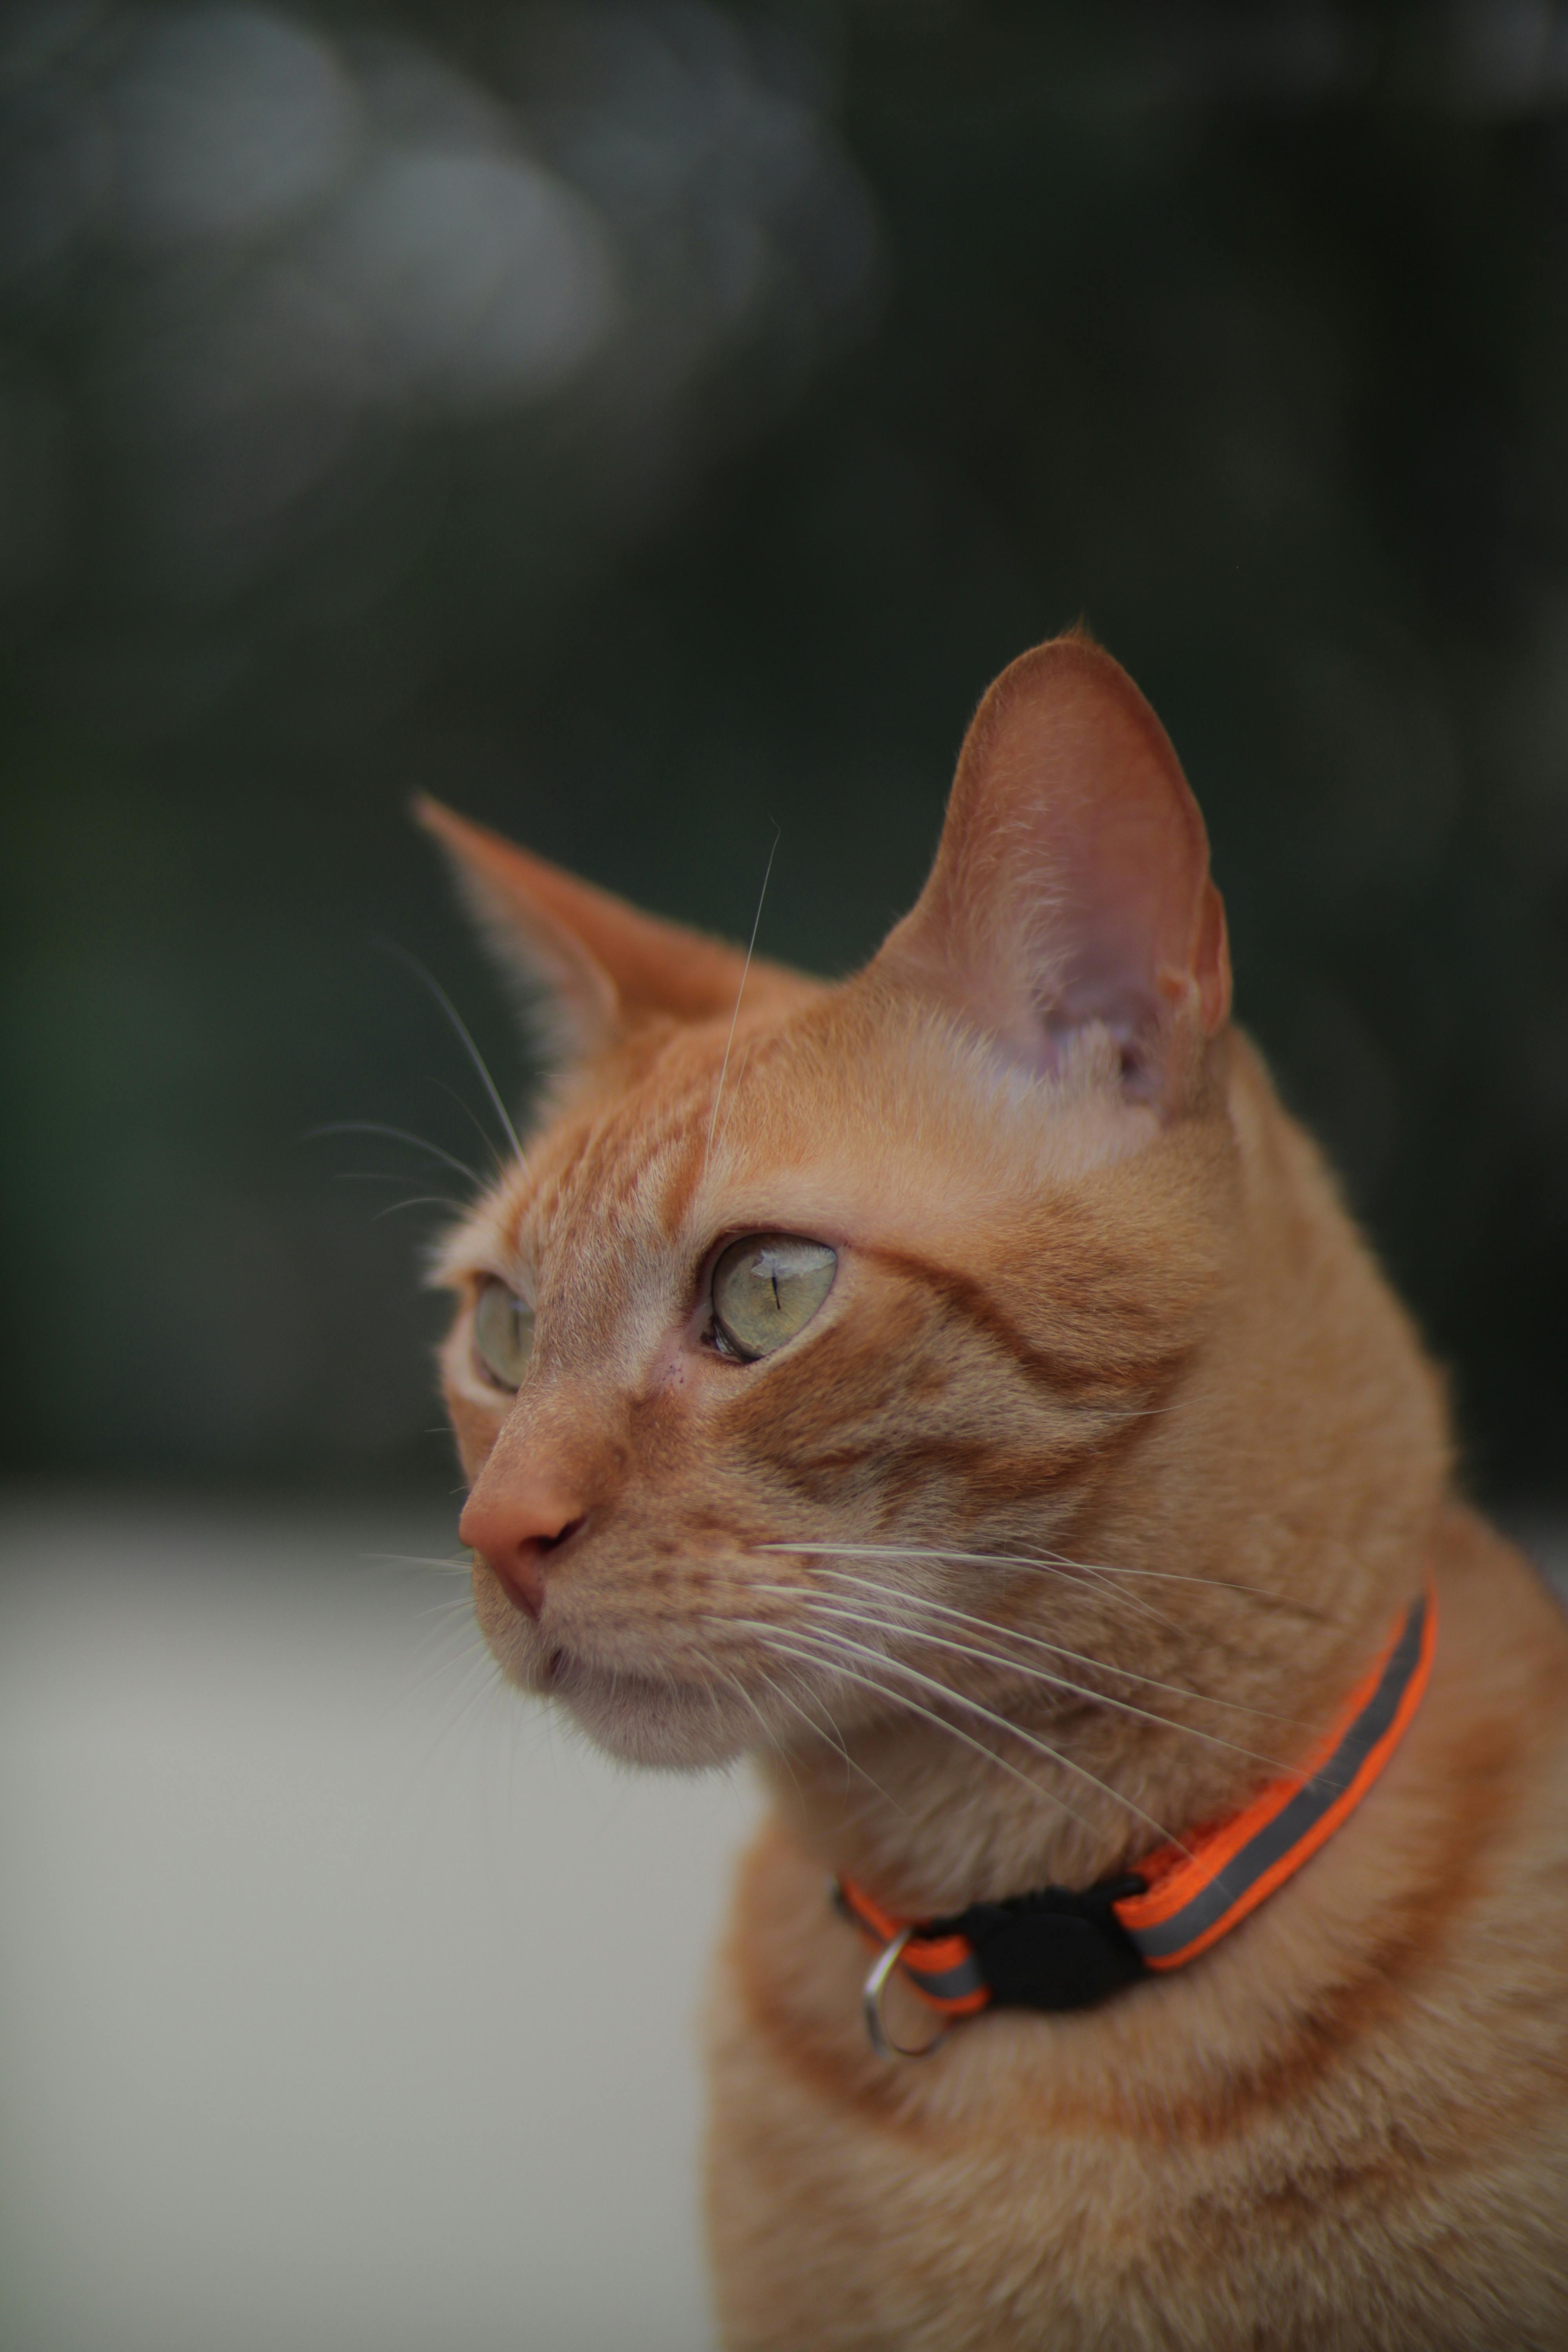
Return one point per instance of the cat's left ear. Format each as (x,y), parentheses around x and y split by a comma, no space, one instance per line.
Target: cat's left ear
(1071,890)
(594,969)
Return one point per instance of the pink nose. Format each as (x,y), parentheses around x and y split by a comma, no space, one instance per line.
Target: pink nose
(514,1528)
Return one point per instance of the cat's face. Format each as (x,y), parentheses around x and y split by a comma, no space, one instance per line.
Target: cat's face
(792,1311)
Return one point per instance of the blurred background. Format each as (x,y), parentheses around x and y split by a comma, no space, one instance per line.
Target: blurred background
(649,427)
(646,426)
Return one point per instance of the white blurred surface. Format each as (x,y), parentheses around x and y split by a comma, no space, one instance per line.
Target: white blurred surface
(345,2001)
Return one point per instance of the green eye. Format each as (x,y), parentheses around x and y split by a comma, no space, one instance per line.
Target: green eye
(503,1333)
(766,1288)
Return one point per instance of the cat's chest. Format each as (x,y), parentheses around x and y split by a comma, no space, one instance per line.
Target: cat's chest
(846,2213)
(1027,2187)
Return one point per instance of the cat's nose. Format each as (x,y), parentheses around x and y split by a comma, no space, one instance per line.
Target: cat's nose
(514,1530)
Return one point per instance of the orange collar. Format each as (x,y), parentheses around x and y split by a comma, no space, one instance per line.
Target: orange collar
(1066,1949)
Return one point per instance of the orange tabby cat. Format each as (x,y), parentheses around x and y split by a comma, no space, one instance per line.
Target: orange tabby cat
(964,1387)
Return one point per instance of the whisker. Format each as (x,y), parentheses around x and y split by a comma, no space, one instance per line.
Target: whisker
(473,1119)
(739,1687)
(420,1201)
(1058,1569)
(770,1740)
(412,964)
(831,1734)
(825,1656)
(1039,1674)
(1015,1731)
(745,968)
(1037,1642)
(769,1734)
(469,1656)
(988,1714)
(1014,1561)
(823,1731)
(455,1608)
(1045,1563)
(1216,1583)
(485,1678)
(421,1560)
(398,1135)
(736,1090)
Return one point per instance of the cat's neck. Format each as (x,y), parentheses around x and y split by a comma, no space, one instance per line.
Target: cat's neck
(930,1826)
(935,1813)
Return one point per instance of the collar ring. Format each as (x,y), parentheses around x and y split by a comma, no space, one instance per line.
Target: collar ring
(876,1985)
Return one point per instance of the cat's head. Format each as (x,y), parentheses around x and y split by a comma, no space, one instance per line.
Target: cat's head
(828,1341)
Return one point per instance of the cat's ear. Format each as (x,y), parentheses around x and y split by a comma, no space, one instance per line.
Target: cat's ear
(592,967)
(1071,888)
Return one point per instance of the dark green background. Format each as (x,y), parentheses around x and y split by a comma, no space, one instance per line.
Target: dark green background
(1242,333)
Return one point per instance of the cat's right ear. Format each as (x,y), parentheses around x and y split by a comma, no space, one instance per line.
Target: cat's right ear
(1071,890)
(593,970)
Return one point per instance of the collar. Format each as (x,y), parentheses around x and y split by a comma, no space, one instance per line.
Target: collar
(1063,1948)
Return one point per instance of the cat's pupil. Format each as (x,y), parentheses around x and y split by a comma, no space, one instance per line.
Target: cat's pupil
(767,1287)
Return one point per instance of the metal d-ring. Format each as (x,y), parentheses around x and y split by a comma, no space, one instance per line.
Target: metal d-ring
(882,2040)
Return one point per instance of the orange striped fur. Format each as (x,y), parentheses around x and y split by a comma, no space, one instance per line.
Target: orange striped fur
(1066,1523)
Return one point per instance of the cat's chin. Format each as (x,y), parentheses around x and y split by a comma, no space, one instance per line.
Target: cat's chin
(663,1726)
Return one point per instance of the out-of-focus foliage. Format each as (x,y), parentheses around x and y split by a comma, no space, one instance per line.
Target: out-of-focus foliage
(643,426)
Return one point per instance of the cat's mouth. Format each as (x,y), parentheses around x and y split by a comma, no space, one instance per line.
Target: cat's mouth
(671,1719)
(569,1675)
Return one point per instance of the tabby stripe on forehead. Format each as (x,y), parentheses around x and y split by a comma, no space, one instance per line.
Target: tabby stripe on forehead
(613,1160)
(688,1167)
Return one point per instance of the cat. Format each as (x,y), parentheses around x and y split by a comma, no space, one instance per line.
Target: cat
(962,1387)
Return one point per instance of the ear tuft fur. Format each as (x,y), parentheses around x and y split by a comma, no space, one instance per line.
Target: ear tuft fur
(593,970)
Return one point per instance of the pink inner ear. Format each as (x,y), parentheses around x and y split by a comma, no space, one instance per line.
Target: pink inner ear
(1071,885)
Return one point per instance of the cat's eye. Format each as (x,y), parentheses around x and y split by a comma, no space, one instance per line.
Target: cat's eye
(766,1288)
(503,1333)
